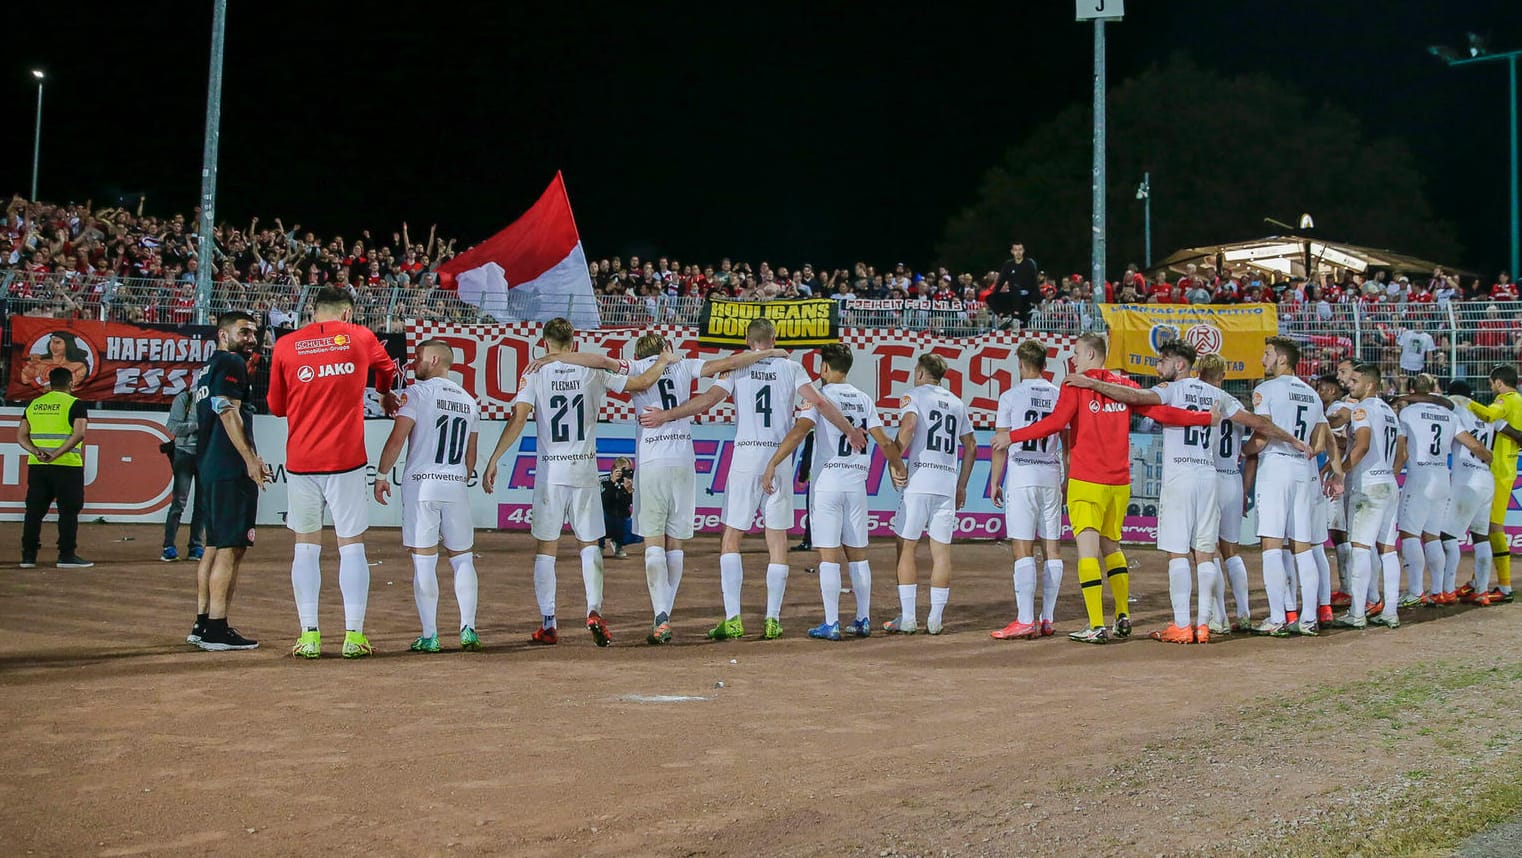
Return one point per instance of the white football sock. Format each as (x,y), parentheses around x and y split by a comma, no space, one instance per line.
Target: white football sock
(1451,567)
(1274,583)
(1416,562)
(657,578)
(354,584)
(591,577)
(1051,584)
(1310,585)
(1236,570)
(1179,590)
(829,591)
(1324,575)
(861,587)
(1433,552)
(1025,590)
(306,581)
(675,560)
(776,586)
(1484,559)
(1391,565)
(1210,576)
(1363,568)
(939,596)
(466,587)
(731,573)
(425,591)
(1345,565)
(907,594)
(544,588)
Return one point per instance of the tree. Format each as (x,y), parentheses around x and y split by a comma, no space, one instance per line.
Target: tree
(1224,153)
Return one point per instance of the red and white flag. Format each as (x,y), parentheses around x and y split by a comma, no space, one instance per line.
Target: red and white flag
(534,270)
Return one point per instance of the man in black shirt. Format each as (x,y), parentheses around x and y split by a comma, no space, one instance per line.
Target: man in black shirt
(1017,289)
(231,474)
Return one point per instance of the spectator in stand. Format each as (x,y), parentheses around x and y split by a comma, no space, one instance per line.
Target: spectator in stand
(1199,293)
(1415,344)
(1016,290)
(1504,289)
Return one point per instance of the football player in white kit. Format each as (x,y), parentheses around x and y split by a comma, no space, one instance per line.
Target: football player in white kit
(1230,437)
(1286,485)
(764,394)
(838,494)
(1189,510)
(932,423)
(565,400)
(1030,491)
(1375,453)
(439,422)
(1338,415)
(1473,491)
(1427,437)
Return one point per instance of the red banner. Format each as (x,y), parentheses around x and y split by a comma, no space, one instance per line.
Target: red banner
(110,360)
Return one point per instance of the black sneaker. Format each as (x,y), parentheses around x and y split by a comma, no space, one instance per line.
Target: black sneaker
(74,561)
(196,631)
(1123,626)
(28,561)
(219,639)
(802,546)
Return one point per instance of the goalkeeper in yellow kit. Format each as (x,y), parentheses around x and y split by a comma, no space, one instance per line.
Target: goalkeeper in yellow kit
(1506,408)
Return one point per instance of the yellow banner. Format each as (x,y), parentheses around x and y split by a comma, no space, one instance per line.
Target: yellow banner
(801,323)
(1234,331)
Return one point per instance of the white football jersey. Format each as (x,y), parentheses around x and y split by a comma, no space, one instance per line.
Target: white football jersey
(1228,440)
(1429,431)
(933,460)
(1414,346)
(443,418)
(1333,410)
(1035,463)
(1192,449)
(1294,407)
(1378,465)
(1467,467)
(671,444)
(566,400)
(836,466)
(764,394)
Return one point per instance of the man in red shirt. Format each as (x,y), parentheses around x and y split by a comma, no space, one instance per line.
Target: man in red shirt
(317,382)
(1099,477)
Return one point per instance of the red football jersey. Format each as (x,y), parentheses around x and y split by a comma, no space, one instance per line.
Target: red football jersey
(317,382)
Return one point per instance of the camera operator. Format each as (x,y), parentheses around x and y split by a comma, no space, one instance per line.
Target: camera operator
(617,505)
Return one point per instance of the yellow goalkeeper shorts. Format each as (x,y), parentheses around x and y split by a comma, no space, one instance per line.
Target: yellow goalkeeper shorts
(1092,506)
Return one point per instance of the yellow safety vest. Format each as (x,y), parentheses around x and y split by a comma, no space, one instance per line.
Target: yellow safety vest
(47,417)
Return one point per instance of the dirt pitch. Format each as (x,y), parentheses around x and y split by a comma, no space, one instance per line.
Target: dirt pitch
(123,740)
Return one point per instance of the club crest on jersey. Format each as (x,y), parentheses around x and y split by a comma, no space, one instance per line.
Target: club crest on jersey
(1206,339)
(1161,335)
(1360,414)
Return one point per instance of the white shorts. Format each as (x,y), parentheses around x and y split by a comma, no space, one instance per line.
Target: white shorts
(920,514)
(664,501)
(1189,515)
(1284,500)
(423,522)
(1033,511)
(555,505)
(743,495)
(345,496)
(1373,515)
(1422,502)
(1469,511)
(1338,518)
(838,518)
(1228,495)
(1321,515)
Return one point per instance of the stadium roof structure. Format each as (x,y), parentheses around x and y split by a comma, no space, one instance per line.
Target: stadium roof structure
(1300,256)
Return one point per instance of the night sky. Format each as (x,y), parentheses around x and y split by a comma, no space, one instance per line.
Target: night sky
(819,132)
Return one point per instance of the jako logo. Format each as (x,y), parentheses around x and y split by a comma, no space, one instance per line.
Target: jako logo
(305,374)
(328,369)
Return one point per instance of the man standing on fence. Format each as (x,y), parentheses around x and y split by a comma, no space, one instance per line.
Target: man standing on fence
(51,432)
(182,422)
(1017,289)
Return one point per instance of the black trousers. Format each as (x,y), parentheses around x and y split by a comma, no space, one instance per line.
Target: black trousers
(44,485)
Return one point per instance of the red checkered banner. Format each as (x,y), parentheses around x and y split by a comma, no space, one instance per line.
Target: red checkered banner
(490,358)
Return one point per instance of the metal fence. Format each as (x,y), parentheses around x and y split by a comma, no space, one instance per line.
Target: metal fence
(1454,340)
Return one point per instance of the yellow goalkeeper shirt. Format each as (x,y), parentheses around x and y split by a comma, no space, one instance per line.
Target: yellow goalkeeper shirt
(1508,407)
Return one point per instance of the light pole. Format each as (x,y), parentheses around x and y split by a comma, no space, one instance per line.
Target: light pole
(205,243)
(1099,11)
(1144,193)
(1477,53)
(37,136)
